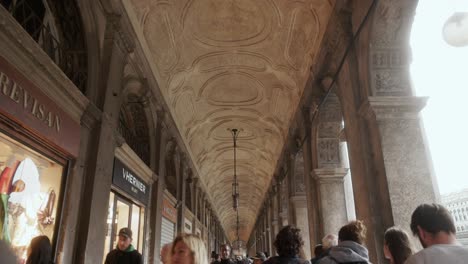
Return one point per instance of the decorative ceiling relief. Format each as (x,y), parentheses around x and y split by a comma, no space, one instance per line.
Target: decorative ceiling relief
(227,64)
(231,23)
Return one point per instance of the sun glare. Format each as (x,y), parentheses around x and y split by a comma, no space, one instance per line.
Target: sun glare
(440,72)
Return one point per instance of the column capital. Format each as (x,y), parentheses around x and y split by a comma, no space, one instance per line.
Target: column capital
(327,175)
(393,107)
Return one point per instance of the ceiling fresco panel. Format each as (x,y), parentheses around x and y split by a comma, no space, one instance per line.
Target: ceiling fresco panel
(233,64)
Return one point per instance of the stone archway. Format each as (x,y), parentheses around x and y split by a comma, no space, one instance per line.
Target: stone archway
(394,110)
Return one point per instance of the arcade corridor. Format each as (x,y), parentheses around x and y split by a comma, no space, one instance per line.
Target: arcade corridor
(120,113)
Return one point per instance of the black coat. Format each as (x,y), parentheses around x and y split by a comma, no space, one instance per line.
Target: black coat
(117,256)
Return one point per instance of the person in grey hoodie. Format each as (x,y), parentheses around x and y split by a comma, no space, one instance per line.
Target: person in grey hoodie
(350,247)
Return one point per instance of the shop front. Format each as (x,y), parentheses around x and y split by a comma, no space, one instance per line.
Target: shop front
(38,144)
(169,220)
(128,203)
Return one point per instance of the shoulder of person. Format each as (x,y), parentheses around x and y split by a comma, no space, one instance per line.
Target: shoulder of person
(326,260)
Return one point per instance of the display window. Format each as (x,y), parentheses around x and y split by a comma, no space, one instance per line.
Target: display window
(122,212)
(31,189)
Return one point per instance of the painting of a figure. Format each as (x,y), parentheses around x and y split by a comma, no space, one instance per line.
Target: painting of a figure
(29,186)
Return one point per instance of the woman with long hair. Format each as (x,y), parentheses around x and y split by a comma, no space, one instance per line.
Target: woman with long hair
(188,249)
(40,251)
(397,245)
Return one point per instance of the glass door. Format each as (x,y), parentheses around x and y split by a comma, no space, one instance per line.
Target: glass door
(123,213)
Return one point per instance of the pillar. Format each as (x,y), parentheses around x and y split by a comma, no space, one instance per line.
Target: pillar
(181,176)
(298,199)
(314,208)
(158,192)
(333,200)
(195,204)
(275,215)
(405,154)
(98,179)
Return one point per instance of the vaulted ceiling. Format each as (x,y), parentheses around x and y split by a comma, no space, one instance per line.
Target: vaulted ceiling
(233,64)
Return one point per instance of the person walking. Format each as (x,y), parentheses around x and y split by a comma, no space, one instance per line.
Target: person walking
(397,245)
(40,251)
(434,226)
(124,253)
(350,248)
(288,244)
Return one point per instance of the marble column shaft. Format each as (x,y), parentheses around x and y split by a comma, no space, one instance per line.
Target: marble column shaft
(99,174)
(331,184)
(405,154)
(157,196)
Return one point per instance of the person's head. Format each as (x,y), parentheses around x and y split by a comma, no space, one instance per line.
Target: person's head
(329,241)
(288,242)
(433,224)
(354,231)
(225,251)
(397,245)
(259,258)
(318,250)
(188,249)
(125,238)
(165,255)
(39,251)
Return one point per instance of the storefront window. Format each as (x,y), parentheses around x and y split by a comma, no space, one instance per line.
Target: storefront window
(30,185)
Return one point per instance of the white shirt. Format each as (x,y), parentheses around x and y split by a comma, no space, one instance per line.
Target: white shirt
(440,254)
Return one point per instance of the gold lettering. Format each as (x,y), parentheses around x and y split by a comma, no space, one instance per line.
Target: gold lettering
(17,93)
(4,81)
(26,99)
(34,107)
(49,120)
(40,114)
(57,123)
(14,92)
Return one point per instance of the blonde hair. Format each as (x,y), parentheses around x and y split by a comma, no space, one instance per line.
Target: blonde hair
(329,241)
(195,244)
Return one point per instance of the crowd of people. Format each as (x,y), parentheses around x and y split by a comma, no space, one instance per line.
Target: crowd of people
(432,224)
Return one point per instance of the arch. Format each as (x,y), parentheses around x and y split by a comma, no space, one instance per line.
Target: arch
(388,50)
(91,34)
(133,126)
(57,27)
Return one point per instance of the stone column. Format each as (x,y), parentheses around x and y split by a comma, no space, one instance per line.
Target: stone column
(313,194)
(98,179)
(330,173)
(298,199)
(331,181)
(181,175)
(275,216)
(158,193)
(194,204)
(203,210)
(405,154)
(272,222)
(283,199)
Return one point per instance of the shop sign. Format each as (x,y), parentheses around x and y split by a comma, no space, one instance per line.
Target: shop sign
(22,100)
(128,181)
(169,211)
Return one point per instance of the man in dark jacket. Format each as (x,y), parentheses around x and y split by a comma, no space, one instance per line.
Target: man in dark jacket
(125,253)
(225,251)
